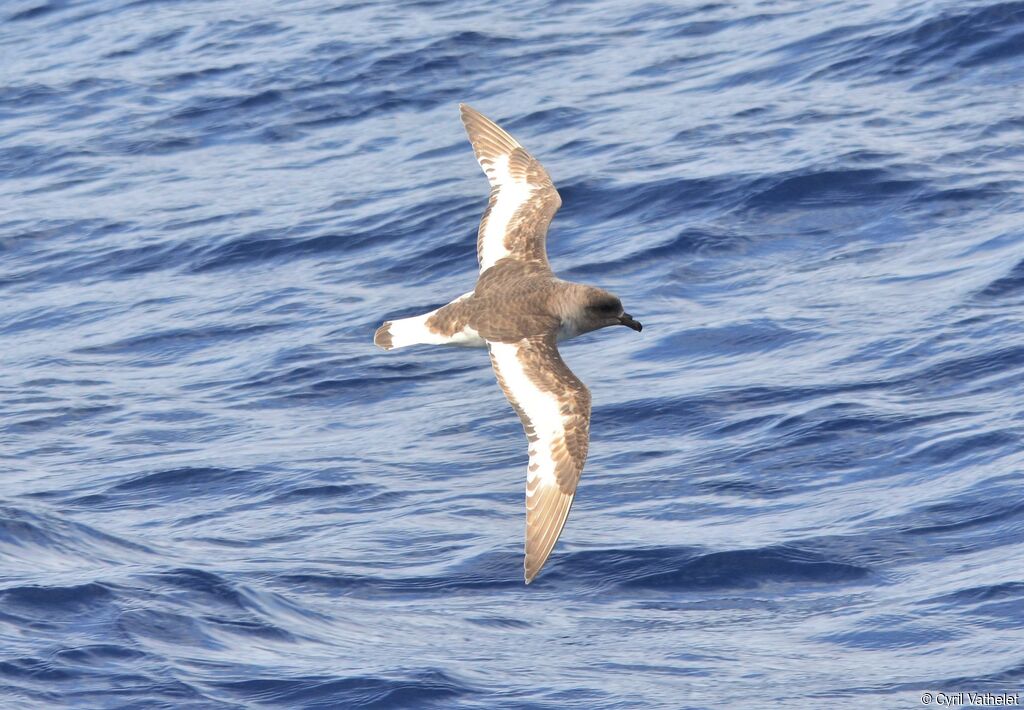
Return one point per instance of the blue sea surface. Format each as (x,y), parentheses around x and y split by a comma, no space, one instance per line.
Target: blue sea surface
(805,477)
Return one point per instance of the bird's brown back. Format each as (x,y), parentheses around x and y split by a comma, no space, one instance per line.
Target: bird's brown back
(513,300)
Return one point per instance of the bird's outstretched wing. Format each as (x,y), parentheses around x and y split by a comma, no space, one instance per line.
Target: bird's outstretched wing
(523,199)
(554,406)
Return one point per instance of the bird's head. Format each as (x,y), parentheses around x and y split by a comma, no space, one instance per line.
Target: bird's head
(602,309)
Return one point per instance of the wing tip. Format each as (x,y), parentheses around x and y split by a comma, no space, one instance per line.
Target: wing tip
(530,575)
(486,136)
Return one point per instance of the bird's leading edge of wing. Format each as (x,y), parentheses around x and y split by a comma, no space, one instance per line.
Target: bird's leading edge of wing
(523,200)
(554,406)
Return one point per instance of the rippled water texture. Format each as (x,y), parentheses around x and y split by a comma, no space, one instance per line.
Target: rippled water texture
(804,485)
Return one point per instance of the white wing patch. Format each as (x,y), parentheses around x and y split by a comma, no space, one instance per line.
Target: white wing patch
(510,194)
(540,407)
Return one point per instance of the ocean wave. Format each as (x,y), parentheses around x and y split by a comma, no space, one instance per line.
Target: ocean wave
(218,493)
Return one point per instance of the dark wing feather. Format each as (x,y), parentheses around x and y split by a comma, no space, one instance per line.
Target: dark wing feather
(523,200)
(554,406)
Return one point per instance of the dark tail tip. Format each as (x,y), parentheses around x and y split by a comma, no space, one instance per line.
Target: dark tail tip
(382,338)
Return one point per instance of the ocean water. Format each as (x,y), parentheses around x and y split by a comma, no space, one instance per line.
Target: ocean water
(804,485)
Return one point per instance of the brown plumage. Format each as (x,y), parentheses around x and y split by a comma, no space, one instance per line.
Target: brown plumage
(519,310)
(524,234)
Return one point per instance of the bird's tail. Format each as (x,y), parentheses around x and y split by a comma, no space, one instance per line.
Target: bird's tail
(406,331)
(442,326)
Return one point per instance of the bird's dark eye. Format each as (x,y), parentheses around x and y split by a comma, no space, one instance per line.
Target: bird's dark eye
(609,307)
